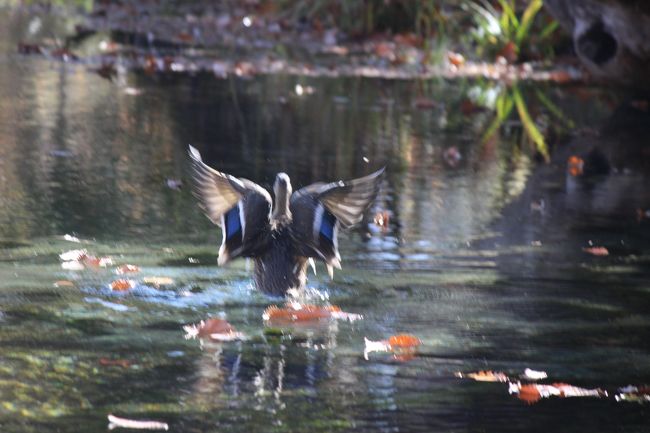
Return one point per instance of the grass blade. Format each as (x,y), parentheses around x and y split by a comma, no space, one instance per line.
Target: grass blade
(527,20)
(529,126)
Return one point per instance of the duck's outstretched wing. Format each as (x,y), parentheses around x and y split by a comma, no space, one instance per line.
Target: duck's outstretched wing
(319,209)
(240,207)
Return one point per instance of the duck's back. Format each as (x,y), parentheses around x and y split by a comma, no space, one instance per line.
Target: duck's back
(279,268)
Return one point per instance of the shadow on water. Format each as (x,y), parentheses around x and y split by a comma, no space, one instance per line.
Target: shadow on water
(482,257)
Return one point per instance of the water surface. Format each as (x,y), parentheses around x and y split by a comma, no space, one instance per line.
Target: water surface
(484,280)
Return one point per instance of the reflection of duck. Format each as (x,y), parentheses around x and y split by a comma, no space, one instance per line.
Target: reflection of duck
(281,235)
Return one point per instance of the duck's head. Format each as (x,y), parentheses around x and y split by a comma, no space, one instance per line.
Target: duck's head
(282,191)
(282,185)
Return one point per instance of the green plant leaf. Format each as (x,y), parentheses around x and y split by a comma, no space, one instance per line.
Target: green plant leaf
(527,20)
(548,30)
(529,125)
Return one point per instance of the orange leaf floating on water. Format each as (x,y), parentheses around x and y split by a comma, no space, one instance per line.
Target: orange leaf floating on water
(402,345)
(529,393)
(63,283)
(214,326)
(114,362)
(122,285)
(596,251)
(127,269)
(214,329)
(403,341)
(485,376)
(298,313)
(532,393)
(575,165)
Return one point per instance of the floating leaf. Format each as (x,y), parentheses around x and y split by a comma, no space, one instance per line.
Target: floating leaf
(213,328)
(532,393)
(158,281)
(484,376)
(63,283)
(73,255)
(124,363)
(534,374)
(403,341)
(298,313)
(402,346)
(122,285)
(575,166)
(596,251)
(127,269)
(115,421)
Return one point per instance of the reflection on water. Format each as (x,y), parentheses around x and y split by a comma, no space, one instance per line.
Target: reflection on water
(465,263)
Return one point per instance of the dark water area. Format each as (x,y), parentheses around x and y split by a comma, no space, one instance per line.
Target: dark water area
(482,258)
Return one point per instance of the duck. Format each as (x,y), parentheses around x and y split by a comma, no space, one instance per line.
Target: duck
(286,233)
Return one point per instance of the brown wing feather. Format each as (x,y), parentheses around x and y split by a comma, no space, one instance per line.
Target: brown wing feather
(218,194)
(346,201)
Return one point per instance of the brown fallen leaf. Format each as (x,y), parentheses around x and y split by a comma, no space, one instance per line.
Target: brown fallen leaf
(532,393)
(403,346)
(485,376)
(124,363)
(63,283)
(127,269)
(158,281)
(298,313)
(122,285)
(215,329)
(575,165)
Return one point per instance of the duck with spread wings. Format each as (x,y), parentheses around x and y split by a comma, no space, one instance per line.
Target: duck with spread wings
(284,234)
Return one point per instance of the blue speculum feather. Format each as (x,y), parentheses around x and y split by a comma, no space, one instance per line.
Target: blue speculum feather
(233,224)
(327,225)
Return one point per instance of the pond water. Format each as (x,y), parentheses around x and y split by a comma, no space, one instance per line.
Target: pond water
(484,279)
